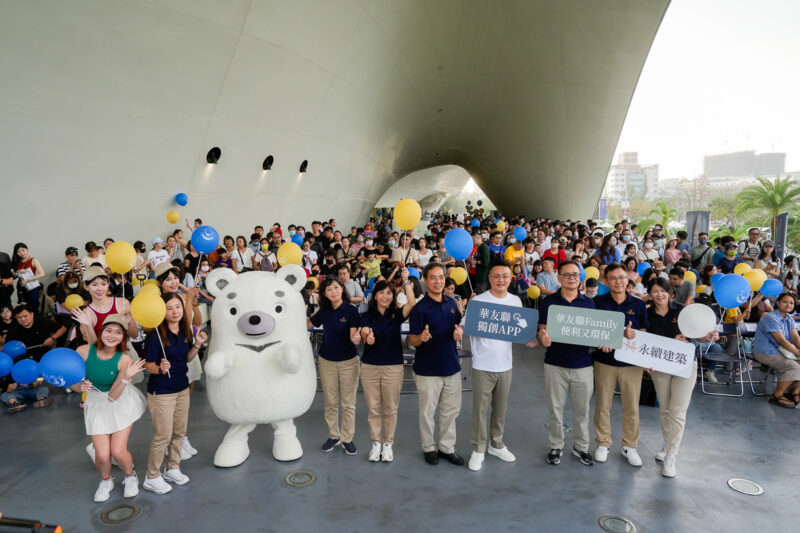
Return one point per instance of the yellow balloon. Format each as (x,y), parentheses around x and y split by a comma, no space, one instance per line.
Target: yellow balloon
(742,269)
(73,301)
(173,216)
(701,288)
(407,213)
(149,288)
(501,226)
(148,310)
(689,276)
(289,254)
(592,273)
(315,281)
(755,278)
(121,257)
(534,292)
(459,275)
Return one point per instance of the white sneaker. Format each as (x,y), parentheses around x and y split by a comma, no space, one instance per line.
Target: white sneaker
(660,454)
(476,461)
(157,485)
(668,470)
(710,376)
(188,447)
(387,455)
(175,475)
(90,451)
(632,455)
(131,484)
(601,454)
(375,452)
(185,453)
(103,492)
(504,454)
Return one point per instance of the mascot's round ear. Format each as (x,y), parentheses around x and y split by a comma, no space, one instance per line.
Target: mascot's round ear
(218,279)
(294,275)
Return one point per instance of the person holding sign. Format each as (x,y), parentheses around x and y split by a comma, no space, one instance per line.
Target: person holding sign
(491,377)
(434,331)
(608,372)
(567,370)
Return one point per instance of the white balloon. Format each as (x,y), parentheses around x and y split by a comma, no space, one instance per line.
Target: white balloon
(696,321)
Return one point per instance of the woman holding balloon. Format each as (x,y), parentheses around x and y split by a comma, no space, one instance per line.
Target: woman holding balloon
(102,305)
(112,404)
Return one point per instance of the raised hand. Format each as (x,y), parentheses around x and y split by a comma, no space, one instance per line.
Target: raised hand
(425,336)
(134,368)
(545,338)
(370,339)
(355,338)
(201,337)
(82,316)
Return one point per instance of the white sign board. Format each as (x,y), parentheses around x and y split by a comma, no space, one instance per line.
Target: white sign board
(670,356)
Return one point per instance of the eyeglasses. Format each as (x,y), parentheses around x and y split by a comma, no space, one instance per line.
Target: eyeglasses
(618,278)
(573,275)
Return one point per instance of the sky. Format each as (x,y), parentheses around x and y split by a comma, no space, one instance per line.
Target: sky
(721,76)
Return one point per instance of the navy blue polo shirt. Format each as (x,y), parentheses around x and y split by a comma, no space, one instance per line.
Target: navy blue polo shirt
(177,355)
(388,347)
(336,343)
(438,356)
(635,311)
(559,353)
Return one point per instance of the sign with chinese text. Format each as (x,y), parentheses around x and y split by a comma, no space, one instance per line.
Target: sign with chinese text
(501,322)
(670,356)
(586,327)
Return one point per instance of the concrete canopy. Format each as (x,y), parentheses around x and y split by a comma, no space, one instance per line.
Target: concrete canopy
(109,108)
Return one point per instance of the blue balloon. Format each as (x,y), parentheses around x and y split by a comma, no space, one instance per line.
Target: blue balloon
(643,267)
(379,212)
(583,272)
(371,282)
(458,243)
(14,349)
(476,223)
(413,272)
(181,199)
(6,364)
(771,288)
(732,291)
(25,372)
(297,239)
(205,239)
(520,233)
(62,367)
(602,289)
(716,277)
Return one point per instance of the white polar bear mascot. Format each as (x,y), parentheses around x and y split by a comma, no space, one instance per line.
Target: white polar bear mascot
(260,368)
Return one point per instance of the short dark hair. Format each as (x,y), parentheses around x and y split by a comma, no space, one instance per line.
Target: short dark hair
(591,282)
(430,266)
(565,263)
(682,235)
(661,282)
(22,307)
(324,302)
(612,267)
(675,271)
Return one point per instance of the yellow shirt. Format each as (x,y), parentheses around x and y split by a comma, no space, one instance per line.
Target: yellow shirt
(512,255)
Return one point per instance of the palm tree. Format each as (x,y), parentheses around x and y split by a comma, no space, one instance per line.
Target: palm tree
(665,214)
(769,197)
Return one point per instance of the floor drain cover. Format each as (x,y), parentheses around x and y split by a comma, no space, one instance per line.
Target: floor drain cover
(745,486)
(119,514)
(616,524)
(300,479)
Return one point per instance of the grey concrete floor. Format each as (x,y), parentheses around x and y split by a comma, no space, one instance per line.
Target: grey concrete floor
(45,474)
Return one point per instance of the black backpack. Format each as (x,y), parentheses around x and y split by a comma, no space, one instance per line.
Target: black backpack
(495,259)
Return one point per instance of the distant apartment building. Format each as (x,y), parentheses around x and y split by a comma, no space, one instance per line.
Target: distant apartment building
(743,164)
(628,180)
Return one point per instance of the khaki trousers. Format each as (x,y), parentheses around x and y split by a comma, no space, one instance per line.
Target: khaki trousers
(339,379)
(170,414)
(674,394)
(444,393)
(606,378)
(382,385)
(489,389)
(578,383)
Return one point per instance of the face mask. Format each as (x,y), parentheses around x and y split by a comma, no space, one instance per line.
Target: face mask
(648,245)
(732,253)
(292,232)
(427,233)
(703,241)
(612,242)
(73,285)
(512,240)
(391,243)
(205,268)
(368,243)
(591,294)
(626,238)
(484,236)
(360,239)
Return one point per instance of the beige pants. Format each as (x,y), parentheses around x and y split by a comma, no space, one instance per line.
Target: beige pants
(339,379)
(674,394)
(444,393)
(170,414)
(489,389)
(606,378)
(382,385)
(578,383)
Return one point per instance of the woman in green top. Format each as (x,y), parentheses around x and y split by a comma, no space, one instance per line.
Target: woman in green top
(112,404)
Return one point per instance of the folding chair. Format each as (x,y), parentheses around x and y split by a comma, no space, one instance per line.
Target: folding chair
(735,361)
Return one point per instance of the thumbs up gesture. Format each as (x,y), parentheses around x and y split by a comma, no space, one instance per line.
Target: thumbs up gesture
(370,339)
(426,334)
(355,337)
(629,332)
(545,338)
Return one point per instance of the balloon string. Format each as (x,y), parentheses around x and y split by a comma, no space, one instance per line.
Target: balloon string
(722,315)
(158,334)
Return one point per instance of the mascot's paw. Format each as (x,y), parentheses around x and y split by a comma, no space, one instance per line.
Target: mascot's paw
(231,453)
(289,361)
(286,448)
(216,367)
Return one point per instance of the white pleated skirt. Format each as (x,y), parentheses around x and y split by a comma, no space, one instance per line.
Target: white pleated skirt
(195,370)
(103,417)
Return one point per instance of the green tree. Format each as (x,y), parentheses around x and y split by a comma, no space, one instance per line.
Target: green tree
(725,210)
(768,199)
(664,213)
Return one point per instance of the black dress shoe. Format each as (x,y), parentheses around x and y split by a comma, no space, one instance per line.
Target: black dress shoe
(431,458)
(452,457)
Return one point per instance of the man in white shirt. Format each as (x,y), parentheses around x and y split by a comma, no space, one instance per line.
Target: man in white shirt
(491,377)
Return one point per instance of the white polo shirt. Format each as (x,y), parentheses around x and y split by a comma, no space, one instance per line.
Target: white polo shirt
(491,355)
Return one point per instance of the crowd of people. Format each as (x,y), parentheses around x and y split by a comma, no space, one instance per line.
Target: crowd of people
(379,294)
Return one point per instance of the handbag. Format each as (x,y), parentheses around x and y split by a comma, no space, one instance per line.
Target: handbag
(647,396)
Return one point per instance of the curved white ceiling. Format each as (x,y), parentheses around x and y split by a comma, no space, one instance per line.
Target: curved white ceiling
(110,107)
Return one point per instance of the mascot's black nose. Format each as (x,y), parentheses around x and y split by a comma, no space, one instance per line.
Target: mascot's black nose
(256,323)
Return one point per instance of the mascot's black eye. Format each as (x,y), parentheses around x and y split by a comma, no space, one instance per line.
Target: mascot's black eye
(232,310)
(279,309)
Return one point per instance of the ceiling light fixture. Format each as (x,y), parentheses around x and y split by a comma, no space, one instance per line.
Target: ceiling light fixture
(213,155)
(268,163)
(303,166)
